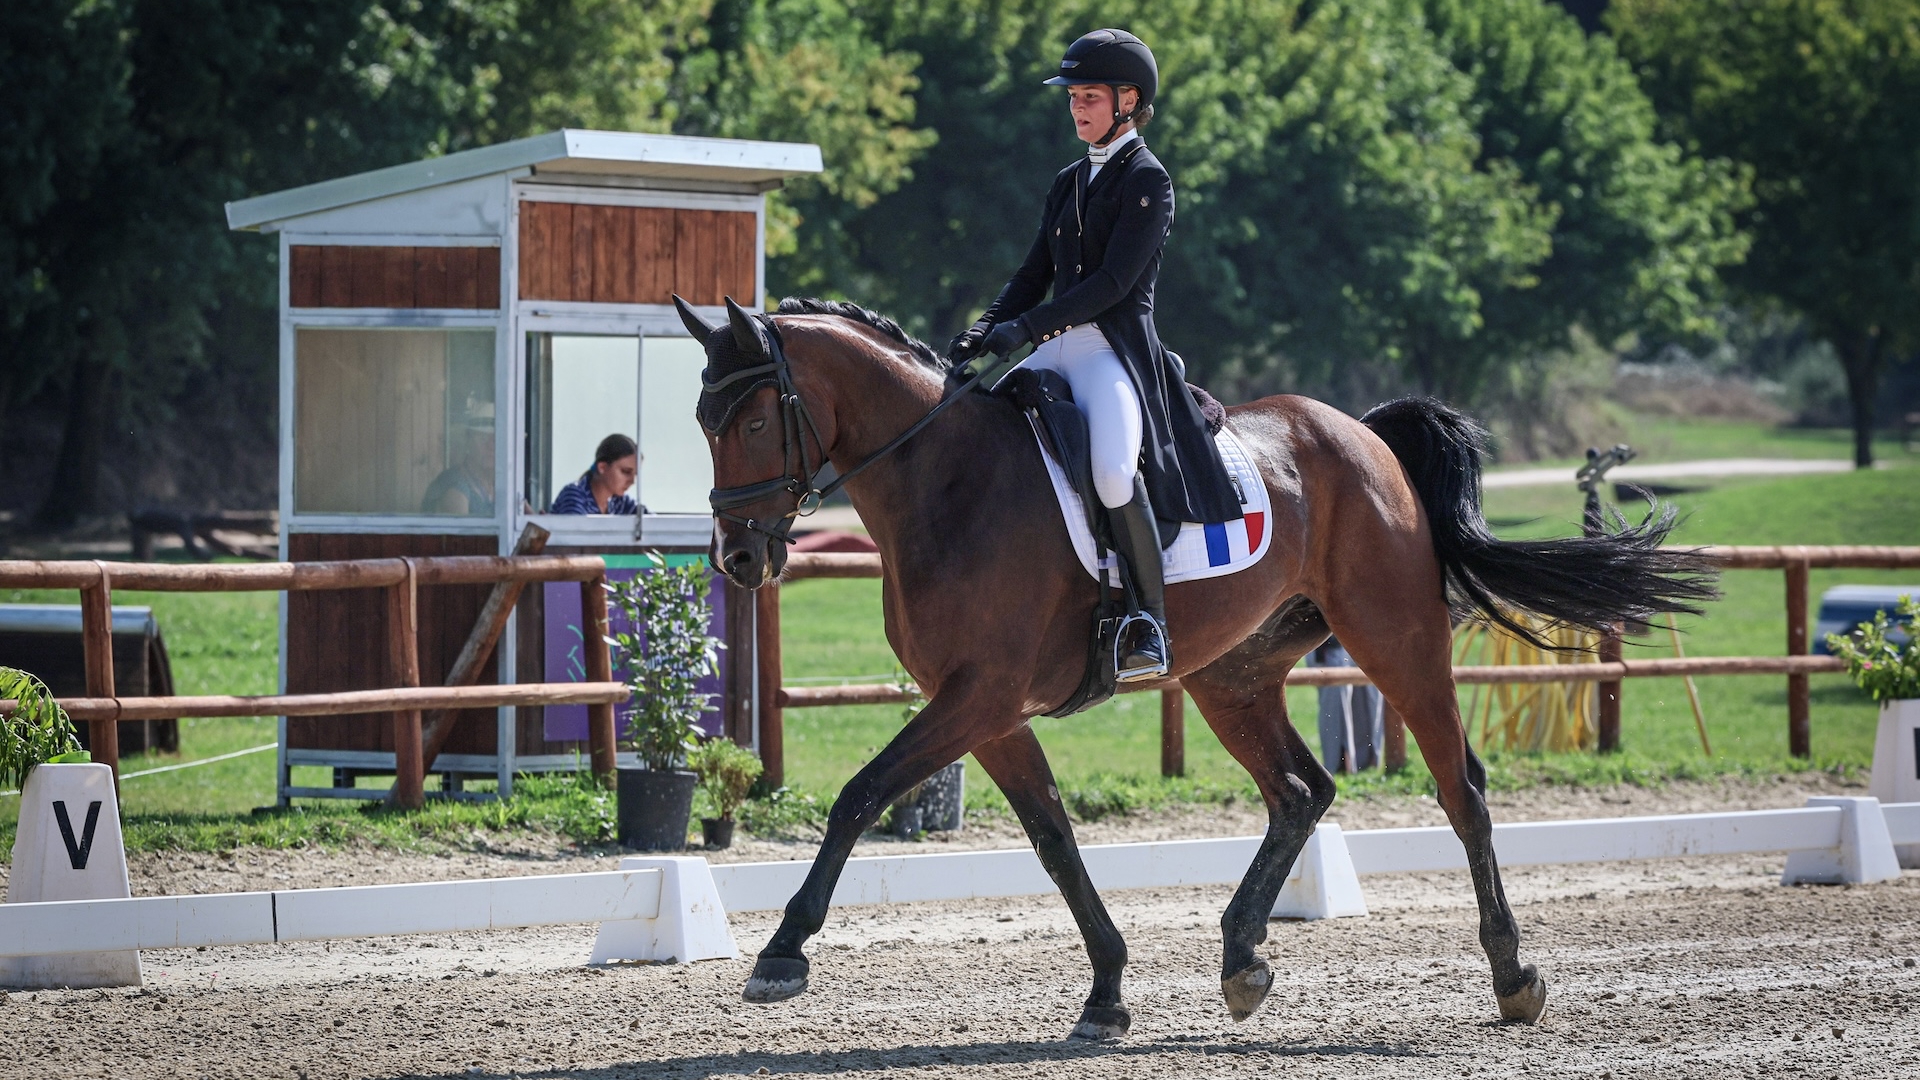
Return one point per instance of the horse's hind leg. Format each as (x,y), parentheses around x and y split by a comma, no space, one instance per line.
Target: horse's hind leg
(1252,724)
(1412,667)
(1019,767)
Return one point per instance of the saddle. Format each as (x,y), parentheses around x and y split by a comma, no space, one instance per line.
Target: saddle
(1048,400)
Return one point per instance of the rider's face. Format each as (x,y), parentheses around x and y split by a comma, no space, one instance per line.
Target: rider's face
(1092,109)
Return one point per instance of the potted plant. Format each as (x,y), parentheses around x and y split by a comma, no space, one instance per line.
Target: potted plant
(665,651)
(938,803)
(727,771)
(37,731)
(1883,656)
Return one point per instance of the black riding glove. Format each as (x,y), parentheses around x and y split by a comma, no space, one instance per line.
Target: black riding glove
(968,343)
(1007,337)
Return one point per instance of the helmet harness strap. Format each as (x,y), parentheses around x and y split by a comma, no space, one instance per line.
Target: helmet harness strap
(1119,118)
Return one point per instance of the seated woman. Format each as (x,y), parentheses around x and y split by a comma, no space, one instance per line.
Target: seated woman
(603,488)
(466,486)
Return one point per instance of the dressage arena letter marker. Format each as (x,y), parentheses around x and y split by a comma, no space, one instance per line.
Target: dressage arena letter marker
(77,853)
(53,862)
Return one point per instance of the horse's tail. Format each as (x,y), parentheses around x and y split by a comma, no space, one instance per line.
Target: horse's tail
(1591,582)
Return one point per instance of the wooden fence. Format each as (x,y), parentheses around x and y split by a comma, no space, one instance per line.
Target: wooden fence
(402,580)
(1797,665)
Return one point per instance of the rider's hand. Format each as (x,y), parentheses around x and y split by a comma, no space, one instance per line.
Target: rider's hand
(967,345)
(1007,337)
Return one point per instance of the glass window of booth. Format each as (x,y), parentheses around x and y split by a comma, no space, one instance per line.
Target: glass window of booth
(583,388)
(394,421)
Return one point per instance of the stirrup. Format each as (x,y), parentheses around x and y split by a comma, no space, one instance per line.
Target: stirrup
(1147,664)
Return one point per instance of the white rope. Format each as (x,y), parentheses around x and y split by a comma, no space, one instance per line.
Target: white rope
(184,764)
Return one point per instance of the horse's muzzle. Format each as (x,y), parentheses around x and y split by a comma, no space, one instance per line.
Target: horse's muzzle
(748,559)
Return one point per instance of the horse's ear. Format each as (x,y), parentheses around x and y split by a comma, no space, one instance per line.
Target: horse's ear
(746,333)
(694,323)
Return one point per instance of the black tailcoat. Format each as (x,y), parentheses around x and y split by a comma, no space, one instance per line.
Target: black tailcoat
(1099,249)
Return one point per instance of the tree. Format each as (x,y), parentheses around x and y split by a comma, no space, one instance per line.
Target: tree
(1818,97)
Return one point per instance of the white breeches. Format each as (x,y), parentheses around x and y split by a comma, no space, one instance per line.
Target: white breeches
(1105,394)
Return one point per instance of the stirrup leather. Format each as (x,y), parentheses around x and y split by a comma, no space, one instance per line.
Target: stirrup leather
(1147,658)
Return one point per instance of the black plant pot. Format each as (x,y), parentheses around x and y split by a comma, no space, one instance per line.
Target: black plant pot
(717,832)
(655,805)
(943,799)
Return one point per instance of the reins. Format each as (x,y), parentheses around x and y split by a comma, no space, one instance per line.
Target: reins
(796,424)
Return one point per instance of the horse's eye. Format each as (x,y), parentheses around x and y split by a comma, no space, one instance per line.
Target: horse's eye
(755,426)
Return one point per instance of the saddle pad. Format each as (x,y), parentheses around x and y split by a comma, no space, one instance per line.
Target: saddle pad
(1201,550)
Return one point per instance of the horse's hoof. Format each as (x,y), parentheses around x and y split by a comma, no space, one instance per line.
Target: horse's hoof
(1101,1023)
(1246,989)
(776,978)
(1527,1003)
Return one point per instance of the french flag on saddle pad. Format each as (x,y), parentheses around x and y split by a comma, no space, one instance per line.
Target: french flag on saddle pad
(1202,550)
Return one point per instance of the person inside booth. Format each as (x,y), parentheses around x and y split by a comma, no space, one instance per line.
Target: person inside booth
(603,488)
(465,487)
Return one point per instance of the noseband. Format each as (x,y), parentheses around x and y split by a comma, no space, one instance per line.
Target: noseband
(796,426)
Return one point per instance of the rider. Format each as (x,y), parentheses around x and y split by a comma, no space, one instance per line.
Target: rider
(1105,223)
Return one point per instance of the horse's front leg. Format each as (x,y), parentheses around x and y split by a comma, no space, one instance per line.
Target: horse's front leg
(954,722)
(1019,767)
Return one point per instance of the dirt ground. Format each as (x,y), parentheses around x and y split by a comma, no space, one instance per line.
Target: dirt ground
(1689,967)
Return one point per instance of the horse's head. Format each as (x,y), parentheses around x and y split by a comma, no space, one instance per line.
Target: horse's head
(764,449)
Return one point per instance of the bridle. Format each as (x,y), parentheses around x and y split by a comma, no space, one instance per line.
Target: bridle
(796,426)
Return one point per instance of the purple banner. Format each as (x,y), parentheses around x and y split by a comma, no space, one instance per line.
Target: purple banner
(566,658)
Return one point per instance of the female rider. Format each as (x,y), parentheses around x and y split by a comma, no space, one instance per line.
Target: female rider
(1105,223)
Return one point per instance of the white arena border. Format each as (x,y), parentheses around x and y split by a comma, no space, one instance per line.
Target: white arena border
(660,909)
(672,909)
(1824,839)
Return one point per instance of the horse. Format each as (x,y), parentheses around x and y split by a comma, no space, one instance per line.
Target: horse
(1378,539)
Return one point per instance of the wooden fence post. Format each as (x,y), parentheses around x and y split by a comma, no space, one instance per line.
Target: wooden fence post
(1394,755)
(766,650)
(1799,708)
(1173,732)
(737,704)
(1610,694)
(593,631)
(437,726)
(403,657)
(96,642)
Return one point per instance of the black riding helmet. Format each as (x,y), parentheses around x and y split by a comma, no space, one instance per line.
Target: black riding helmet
(1112,58)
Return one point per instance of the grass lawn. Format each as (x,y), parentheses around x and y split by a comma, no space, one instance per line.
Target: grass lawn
(1106,759)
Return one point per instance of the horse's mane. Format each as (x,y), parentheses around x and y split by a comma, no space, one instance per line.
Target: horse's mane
(808,305)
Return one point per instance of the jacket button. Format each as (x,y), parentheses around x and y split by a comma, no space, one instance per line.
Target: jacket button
(1076,268)
(1056,230)
(1143,200)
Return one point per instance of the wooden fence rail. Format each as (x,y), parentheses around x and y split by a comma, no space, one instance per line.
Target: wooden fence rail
(402,578)
(1797,665)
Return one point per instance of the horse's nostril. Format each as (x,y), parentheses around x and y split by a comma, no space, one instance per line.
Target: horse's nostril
(738,560)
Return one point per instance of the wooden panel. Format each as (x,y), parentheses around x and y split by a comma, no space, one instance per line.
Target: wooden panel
(714,255)
(348,276)
(692,266)
(336,640)
(486,277)
(303,277)
(580,251)
(612,228)
(653,234)
(336,277)
(635,255)
(430,287)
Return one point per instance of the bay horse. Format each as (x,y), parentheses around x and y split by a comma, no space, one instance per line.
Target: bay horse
(1378,538)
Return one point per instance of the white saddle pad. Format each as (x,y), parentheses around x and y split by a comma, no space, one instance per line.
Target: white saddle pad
(1202,550)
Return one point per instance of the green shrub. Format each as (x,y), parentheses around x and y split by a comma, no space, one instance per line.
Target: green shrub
(1884,668)
(727,771)
(665,651)
(37,731)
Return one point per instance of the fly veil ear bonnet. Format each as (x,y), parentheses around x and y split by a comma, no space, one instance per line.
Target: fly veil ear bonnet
(730,377)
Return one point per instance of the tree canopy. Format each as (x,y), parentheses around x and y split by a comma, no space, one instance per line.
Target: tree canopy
(1821,100)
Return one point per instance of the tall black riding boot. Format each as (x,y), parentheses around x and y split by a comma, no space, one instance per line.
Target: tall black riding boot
(1142,651)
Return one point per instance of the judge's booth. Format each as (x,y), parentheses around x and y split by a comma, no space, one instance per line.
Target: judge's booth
(457,336)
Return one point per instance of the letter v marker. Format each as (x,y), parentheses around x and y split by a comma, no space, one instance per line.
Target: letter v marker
(77,854)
